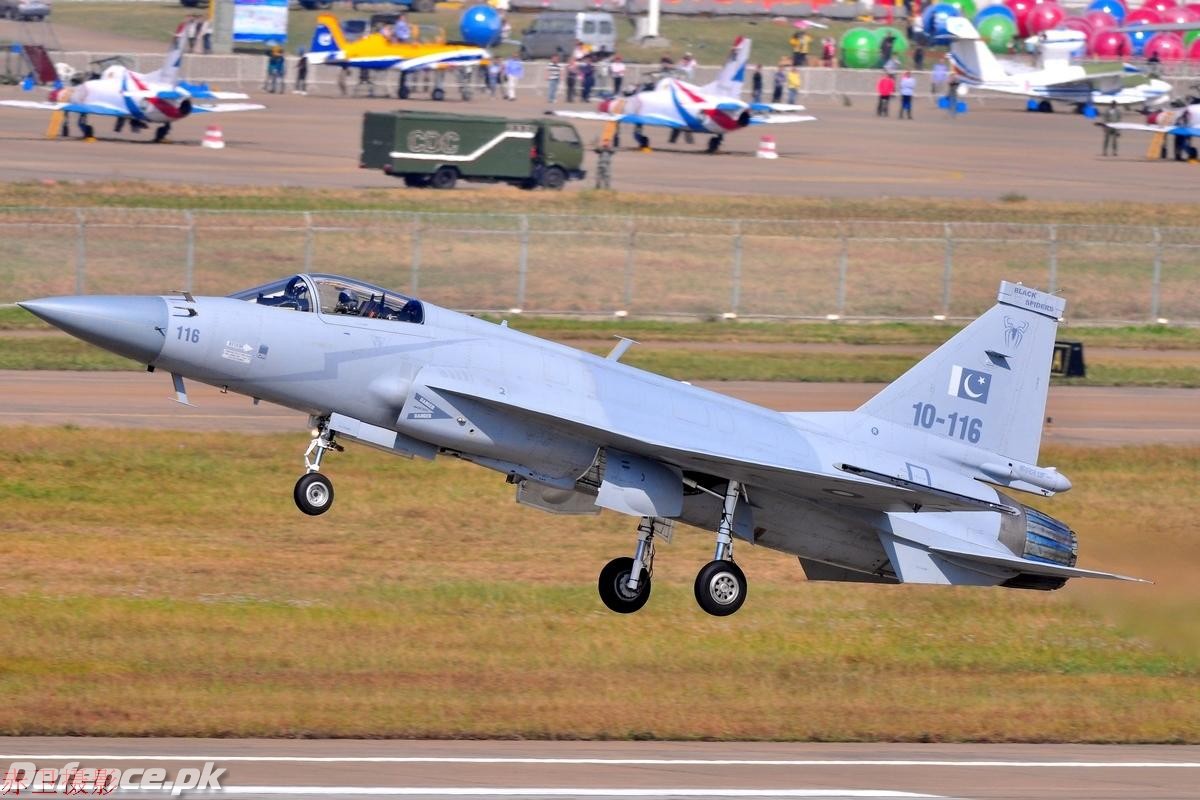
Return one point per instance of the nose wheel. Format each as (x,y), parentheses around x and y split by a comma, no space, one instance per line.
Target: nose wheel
(720,588)
(314,492)
(614,586)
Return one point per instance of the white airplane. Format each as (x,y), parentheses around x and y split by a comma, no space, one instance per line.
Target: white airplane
(156,97)
(716,108)
(1055,78)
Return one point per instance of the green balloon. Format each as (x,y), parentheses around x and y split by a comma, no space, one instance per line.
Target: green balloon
(859,49)
(899,43)
(965,7)
(998,32)
(1190,37)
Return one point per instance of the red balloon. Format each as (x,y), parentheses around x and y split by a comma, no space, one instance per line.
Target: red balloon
(1110,44)
(1100,20)
(1193,7)
(1082,25)
(1020,8)
(1145,16)
(1168,46)
(1043,17)
(1160,6)
(1180,15)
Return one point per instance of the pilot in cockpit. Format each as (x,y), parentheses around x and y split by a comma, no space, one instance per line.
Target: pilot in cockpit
(346,304)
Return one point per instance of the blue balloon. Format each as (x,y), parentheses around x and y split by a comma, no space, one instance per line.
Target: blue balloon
(934,21)
(1115,8)
(480,26)
(1003,11)
(1139,39)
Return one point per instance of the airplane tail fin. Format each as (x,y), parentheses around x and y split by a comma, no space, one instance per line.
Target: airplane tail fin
(731,77)
(169,71)
(327,37)
(987,385)
(970,55)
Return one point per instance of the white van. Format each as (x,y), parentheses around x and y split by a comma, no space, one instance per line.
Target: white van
(557,32)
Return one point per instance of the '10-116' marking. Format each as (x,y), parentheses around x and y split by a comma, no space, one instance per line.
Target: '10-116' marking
(962,426)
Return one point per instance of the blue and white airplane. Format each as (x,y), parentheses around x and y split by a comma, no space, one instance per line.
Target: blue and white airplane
(915,486)
(158,97)
(716,108)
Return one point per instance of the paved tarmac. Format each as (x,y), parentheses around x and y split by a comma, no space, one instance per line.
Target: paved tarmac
(1078,415)
(313,141)
(327,768)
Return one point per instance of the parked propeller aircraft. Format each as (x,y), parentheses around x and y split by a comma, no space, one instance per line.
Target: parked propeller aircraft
(425,49)
(1055,78)
(907,489)
(716,108)
(158,97)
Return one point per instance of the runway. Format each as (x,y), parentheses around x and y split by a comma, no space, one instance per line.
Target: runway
(425,769)
(1077,414)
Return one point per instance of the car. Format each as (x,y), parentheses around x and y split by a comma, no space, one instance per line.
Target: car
(25,9)
(557,32)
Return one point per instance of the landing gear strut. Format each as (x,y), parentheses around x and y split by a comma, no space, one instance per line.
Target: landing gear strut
(625,582)
(721,584)
(314,492)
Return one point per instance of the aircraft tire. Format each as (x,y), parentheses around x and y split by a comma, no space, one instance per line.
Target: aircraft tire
(438,94)
(403,92)
(614,592)
(313,494)
(720,588)
(1045,107)
(554,178)
(444,178)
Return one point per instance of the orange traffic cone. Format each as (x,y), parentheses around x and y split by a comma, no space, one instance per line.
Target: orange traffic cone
(213,138)
(766,148)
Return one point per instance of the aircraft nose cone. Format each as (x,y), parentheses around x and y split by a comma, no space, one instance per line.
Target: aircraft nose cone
(133,327)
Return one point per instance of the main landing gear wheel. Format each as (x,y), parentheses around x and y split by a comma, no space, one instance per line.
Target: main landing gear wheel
(721,588)
(313,494)
(614,586)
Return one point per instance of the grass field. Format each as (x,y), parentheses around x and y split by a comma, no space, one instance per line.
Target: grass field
(155,571)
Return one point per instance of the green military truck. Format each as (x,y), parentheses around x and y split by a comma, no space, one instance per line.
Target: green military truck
(430,148)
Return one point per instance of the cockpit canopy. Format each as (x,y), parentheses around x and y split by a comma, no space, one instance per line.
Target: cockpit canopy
(335,295)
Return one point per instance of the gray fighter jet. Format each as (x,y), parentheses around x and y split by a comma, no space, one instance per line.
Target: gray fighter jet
(906,489)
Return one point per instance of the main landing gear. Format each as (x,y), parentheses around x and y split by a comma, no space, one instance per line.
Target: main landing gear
(314,492)
(720,586)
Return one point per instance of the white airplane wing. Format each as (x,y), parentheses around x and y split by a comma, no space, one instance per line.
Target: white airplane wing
(34,105)
(776,107)
(74,108)
(226,107)
(631,119)
(781,119)
(1178,130)
(226,96)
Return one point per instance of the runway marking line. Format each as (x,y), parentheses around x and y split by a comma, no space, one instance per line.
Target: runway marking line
(700,762)
(475,791)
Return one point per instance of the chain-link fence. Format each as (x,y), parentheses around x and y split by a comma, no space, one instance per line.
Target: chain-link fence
(599,265)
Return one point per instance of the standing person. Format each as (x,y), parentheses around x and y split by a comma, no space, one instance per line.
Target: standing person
(756,84)
(494,76)
(401,31)
(572,78)
(828,51)
(793,84)
(604,156)
(918,58)
(302,73)
(553,76)
(794,42)
(937,83)
(688,65)
(886,48)
(343,76)
(908,85)
(952,94)
(192,30)
(587,77)
(1183,142)
(274,81)
(206,36)
(885,88)
(777,83)
(1111,114)
(513,70)
(617,70)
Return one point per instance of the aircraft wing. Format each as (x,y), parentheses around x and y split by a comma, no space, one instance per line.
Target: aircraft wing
(848,490)
(781,119)
(74,108)
(631,119)
(776,107)
(225,107)
(1176,130)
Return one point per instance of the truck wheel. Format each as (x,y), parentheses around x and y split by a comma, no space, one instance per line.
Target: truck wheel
(553,178)
(524,54)
(444,178)
(438,94)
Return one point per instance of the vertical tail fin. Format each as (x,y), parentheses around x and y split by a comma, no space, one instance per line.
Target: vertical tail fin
(731,77)
(987,385)
(169,71)
(970,56)
(327,39)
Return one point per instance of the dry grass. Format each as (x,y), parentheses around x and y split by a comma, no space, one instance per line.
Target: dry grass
(150,571)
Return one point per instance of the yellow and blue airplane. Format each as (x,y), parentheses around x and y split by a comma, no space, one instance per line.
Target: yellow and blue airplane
(426,48)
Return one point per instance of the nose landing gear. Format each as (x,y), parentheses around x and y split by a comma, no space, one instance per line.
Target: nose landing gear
(314,492)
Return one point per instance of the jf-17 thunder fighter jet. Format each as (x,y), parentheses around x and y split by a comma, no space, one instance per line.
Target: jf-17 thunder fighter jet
(913,487)
(158,97)
(716,108)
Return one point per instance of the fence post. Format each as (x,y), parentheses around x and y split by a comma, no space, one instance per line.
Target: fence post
(736,295)
(630,249)
(309,244)
(415,280)
(1156,281)
(80,251)
(1053,231)
(523,261)
(843,269)
(947,269)
(189,264)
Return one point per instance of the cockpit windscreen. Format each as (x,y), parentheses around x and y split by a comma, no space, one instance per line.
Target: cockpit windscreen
(335,295)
